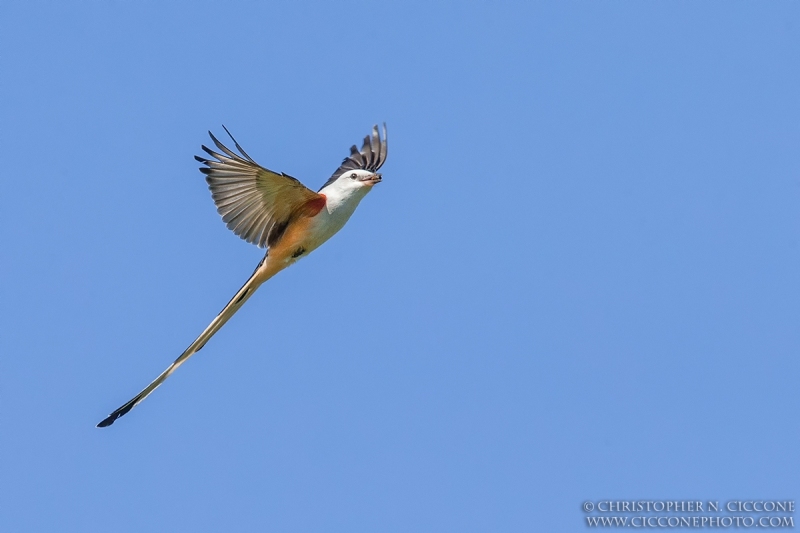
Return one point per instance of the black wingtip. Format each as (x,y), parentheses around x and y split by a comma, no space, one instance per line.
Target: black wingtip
(236,144)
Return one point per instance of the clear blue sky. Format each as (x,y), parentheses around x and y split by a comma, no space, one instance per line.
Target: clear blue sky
(578,280)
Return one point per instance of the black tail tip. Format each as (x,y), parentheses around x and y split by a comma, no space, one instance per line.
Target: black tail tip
(107,421)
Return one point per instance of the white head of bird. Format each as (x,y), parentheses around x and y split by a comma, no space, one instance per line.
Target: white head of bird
(351,186)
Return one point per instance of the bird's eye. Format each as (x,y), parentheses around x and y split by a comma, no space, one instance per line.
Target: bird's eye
(353,176)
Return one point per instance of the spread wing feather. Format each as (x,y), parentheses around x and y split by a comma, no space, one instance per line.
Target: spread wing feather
(255,203)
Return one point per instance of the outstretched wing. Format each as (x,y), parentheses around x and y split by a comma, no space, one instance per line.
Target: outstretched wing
(255,203)
(371,157)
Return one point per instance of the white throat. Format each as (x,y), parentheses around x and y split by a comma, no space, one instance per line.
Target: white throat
(340,203)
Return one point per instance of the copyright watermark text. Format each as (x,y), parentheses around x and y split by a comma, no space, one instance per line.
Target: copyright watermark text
(690,513)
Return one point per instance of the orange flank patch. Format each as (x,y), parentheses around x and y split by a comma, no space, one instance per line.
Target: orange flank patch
(313,206)
(289,243)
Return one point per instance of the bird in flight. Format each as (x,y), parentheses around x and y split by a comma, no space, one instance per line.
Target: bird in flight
(277,212)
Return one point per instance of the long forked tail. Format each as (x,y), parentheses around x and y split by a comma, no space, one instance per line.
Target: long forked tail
(234,305)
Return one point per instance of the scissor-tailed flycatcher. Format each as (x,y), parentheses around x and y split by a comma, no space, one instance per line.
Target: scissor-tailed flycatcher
(277,212)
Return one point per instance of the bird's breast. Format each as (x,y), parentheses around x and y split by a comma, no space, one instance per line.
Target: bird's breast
(310,232)
(327,223)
